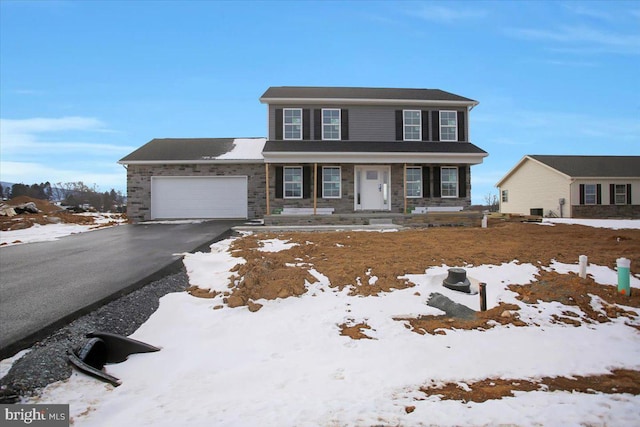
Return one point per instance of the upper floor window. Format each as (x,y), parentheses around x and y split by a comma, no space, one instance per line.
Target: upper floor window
(330,123)
(292,182)
(621,194)
(448,126)
(331,182)
(590,194)
(292,123)
(414,181)
(412,124)
(449,181)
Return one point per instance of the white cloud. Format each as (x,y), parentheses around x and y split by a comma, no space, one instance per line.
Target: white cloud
(580,9)
(39,124)
(447,15)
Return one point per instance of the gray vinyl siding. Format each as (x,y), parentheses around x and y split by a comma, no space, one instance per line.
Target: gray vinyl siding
(367,123)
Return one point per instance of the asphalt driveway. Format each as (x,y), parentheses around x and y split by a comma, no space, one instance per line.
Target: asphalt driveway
(45,285)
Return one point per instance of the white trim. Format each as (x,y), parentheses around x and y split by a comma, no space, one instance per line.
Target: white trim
(191,162)
(455,127)
(421,180)
(339,123)
(284,182)
(347,157)
(457,192)
(368,101)
(404,125)
(284,124)
(339,196)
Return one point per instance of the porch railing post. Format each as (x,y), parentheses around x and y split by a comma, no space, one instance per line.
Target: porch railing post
(315,193)
(266,168)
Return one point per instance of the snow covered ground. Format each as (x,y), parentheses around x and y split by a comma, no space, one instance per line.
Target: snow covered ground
(288,365)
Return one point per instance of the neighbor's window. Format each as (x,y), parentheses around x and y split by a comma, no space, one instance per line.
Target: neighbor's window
(412,121)
(330,123)
(292,123)
(414,182)
(621,194)
(331,182)
(448,126)
(449,181)
(292,182)
(590,194)
(505,196)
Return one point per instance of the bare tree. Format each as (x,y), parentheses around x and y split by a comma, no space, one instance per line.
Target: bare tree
(492,202)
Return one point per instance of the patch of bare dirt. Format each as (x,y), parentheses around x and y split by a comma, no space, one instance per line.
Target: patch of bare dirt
(355,331)
(618,381)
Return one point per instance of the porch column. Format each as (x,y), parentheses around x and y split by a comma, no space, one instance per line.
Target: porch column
(315,193)
(404,180)
(266,168)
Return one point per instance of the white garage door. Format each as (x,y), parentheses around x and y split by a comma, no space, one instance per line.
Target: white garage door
(199,197)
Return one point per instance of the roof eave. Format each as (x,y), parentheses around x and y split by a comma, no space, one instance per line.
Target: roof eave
(368,101)
(189,162)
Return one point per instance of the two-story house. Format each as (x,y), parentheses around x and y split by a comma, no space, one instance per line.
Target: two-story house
(329,150)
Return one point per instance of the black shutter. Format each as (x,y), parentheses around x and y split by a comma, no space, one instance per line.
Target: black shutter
(306,182)
(306,124)
(317,124)
(319,183)
(462,135)
(344,124)
(435,120)
(426,181)
(462,181)
(436,181)
(279,182)
(425,125)
(582,194)
(612,194)
(399,133)
(599,194)
(279,123)
(628,194)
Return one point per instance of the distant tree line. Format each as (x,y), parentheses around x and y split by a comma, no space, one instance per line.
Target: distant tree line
(72,194)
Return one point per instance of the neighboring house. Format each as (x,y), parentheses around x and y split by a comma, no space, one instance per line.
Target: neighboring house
(573,187)
(329,150)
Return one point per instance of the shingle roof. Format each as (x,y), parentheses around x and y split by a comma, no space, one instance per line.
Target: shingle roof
(371,147)
(593,166)
(364,93)
(197,149)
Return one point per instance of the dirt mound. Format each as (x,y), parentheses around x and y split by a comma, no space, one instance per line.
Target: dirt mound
(43,205)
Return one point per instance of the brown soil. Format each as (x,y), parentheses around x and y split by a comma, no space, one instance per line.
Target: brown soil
(354,331)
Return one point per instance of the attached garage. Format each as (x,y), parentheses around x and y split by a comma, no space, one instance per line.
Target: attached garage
(191,197)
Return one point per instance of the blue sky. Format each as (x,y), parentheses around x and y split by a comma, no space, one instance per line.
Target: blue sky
(83,83)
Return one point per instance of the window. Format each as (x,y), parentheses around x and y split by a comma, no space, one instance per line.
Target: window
(621,194)
(292,182)
(414,182)
(330,124)
(412,123)
(448,126)
(449,181)
(292,123)
(590,194)
(331,186)
(505,196)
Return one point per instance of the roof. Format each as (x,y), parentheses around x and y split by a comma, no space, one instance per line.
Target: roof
(199,150)
(371,147)
(585,166)
(345,94)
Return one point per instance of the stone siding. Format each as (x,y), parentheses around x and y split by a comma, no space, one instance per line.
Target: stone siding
(605,211)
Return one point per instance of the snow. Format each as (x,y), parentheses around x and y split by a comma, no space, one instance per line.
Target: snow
(245,149)
(287,364)
(615,224)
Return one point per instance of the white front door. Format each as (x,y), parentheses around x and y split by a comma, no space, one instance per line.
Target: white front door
(372,188)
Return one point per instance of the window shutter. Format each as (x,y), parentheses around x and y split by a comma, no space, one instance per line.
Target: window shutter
(425,125)
(628,194)
(462,136)
(612,194)
(582,194)
(317,124)
(344,124)
(435,120)
(599,194)
(279,182)
(462,181)
(319,183)
(436,182)
(306,182)
(426,181)
(279,123)
(399,133)
(306,124)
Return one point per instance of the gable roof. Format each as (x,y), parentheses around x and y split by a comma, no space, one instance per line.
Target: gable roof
(283,94)
(198,150)
(585,166)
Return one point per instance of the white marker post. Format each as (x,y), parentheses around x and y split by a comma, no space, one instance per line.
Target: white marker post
(582,259)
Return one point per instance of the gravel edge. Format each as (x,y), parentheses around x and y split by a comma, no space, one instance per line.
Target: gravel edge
(46,362)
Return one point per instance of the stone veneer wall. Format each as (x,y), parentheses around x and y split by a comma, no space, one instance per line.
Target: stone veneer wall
(605,211)
(139,184)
